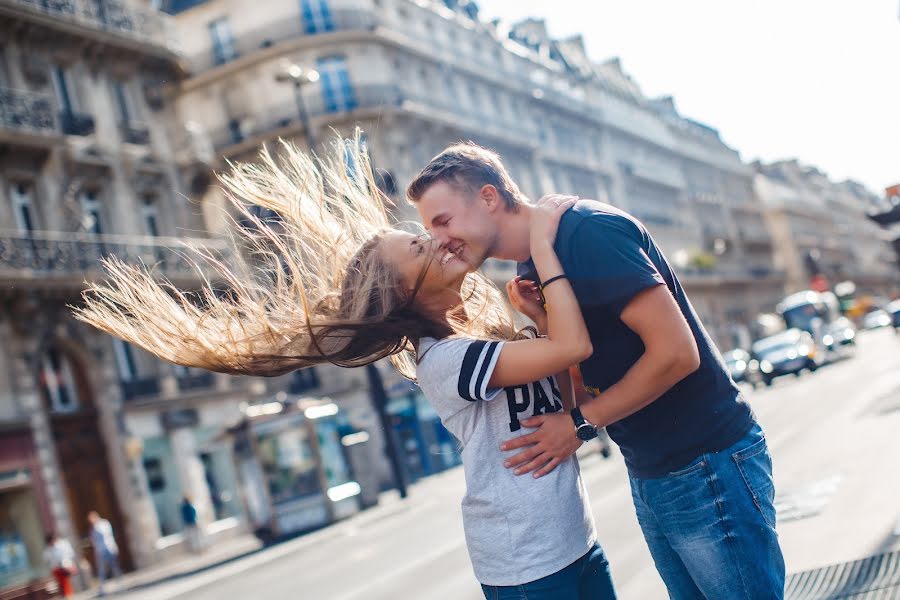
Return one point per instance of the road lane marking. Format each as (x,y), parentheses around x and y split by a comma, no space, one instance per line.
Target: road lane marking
(366,590)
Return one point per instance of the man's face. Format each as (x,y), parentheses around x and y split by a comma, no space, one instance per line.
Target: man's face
(461,220)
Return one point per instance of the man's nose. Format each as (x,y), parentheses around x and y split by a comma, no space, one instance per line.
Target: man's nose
(441,238)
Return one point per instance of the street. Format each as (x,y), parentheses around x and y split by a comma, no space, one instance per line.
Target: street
(833,436)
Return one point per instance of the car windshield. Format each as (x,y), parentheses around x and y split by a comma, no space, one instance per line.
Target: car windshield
(801,317)
(765,347)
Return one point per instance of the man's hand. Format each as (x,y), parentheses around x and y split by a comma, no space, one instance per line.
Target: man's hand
(553,442)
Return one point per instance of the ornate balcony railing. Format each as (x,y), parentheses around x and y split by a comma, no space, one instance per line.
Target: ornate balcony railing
(43,254)
(282,116)
(26,111)
(195,381)
(275,33)
(113,16)
(135,133)
(136,388)
(76,123)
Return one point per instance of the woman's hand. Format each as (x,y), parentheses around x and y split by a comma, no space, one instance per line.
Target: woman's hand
(545,217)
(526,298)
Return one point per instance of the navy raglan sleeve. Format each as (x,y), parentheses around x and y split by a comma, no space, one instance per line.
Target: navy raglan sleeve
(607,263)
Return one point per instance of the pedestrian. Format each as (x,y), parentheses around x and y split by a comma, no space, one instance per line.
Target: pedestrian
(60,557)
(191,529)
(106,551)
(698,462)
(339,285)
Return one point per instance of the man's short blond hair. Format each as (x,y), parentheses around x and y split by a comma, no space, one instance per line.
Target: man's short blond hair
(468,166)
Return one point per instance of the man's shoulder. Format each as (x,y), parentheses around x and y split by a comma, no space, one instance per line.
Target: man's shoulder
(593,218)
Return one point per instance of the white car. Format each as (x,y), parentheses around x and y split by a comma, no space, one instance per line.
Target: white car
(876,318)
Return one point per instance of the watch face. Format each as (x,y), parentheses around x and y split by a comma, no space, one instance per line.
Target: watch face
(586,432)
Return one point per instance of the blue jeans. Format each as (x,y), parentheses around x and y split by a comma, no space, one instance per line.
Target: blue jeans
(587,578)
(711,525)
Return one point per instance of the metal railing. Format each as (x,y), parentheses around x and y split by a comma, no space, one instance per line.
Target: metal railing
(277,32)
(42,253)
(134,132)
(26,111)
(195,381)
(76,123)
(283,115)
(137,388)
(113,16)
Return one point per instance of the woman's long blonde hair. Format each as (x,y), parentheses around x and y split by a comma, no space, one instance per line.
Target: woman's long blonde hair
(303,286)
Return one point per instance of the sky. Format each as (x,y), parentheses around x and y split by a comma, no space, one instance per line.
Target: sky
(817,80)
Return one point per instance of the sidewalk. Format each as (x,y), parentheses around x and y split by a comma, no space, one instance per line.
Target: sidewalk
(179,566)
(179,572)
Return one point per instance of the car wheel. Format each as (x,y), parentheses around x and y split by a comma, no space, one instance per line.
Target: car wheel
(768,381)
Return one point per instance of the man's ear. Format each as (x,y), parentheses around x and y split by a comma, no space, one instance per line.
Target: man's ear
(491,197)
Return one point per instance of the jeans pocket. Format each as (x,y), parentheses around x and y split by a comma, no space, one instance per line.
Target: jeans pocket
(755,466)
(692,467)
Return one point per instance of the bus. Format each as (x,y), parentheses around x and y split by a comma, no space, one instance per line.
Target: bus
(819,314)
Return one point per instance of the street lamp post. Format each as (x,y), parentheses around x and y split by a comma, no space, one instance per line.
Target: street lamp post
(299,77)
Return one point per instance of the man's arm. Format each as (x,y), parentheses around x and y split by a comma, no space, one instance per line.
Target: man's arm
(670,355)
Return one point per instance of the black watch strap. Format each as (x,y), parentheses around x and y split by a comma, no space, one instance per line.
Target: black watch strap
(584,430)
(577,417)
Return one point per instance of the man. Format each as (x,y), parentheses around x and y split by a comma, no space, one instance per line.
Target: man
(106,551)
(699,468)
(191,528)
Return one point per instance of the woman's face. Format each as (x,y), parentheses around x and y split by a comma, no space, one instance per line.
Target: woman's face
(409,254)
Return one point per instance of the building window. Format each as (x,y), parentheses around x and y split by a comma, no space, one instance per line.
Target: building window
(150,215)
(23,209)
(91,221)
(125,102)
(125,363)
(337,93)
(64,90)
(316,16)
(58,382)
(222,41)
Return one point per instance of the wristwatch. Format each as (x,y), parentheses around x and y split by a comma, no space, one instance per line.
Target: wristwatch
(584,430)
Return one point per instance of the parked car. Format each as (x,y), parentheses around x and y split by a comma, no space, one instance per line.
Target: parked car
(840,336)
(893,309)
(877,318)
(742,367)
(788,352)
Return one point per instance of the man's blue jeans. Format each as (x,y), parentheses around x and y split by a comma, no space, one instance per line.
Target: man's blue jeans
(587,578)
(711,525)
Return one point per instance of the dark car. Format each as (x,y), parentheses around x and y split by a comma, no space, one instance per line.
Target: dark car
(742,367)
(786,353)
(893,309)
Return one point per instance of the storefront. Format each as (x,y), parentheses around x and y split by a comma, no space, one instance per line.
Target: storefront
(184,455)
(24,519)
(295,473)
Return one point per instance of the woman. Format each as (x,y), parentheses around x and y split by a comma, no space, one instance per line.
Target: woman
(327,280)
(60,557)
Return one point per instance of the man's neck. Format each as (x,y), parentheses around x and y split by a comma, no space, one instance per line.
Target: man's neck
(514,243)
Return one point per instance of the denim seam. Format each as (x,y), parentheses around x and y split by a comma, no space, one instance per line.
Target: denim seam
(729,536)
(756,502)
(524,592)
(757,447)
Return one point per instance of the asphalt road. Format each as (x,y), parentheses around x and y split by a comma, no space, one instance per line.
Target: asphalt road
(836,449)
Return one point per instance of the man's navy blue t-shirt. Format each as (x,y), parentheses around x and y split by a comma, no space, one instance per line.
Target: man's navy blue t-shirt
(609,257)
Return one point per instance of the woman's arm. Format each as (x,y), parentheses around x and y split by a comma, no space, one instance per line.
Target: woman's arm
(567,341)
